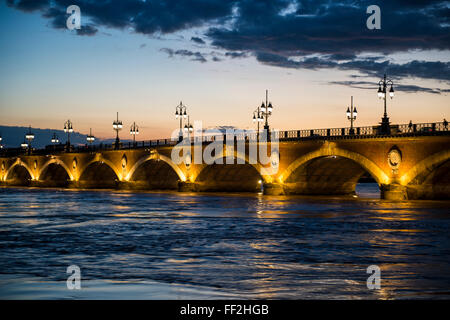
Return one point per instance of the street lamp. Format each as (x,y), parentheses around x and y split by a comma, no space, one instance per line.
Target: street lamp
(68,128)
(266,110)
(134,130)
(24,144)
(188,127)
(90,138)
(382,94)
(30,137)
(117,126)
(182,114)
(55,139)
(257,117)
(1,146)
(351,115)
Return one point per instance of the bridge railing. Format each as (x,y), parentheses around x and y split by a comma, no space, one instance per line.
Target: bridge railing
(335,133)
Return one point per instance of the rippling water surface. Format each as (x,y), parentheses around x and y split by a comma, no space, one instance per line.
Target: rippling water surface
(200,246)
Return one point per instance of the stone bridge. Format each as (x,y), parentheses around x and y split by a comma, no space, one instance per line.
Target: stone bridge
(405,166)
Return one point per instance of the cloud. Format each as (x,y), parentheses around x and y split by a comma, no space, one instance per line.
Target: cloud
(398,87)
(146,17)
(195,56)
(234,55)
(197,40)
(301,34)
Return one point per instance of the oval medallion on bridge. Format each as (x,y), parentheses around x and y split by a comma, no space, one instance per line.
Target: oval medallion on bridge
(74,163)
(35,164)
(3,166)
(394,158)
(124,161)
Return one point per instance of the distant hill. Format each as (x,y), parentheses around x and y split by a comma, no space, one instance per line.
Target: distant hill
(14,136)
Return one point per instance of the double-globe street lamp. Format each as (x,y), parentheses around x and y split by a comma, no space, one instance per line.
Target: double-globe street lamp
(181,112)
(257,117)
(134,130)
(68,128)
(266,110)
(55,139)
(188,128)
(29,136)
(382,94)
(117,126)
(351,115)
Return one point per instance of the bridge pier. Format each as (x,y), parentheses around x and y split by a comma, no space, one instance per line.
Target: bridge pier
(273,189)
(185,186)
(393,191)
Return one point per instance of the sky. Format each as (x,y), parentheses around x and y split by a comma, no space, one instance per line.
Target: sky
(141,58)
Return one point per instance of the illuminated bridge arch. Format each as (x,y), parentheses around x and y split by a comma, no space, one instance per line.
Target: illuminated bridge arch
(100,173)
(156,156)
(329,171)
(155,171)
(21,164)
(231,177)
(430,178)
(422,169)
(57,162)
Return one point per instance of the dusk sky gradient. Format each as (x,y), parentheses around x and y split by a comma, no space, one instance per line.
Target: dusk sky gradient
(141,58)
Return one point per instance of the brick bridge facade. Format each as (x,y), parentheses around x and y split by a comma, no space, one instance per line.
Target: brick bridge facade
(404,166)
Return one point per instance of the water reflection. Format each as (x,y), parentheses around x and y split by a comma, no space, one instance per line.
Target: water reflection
(221,245)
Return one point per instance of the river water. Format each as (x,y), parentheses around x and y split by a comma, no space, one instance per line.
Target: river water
(149,245)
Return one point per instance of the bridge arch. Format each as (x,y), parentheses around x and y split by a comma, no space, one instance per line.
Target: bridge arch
(155,171)
(231,177)
(264,173)
(423,169)
(99,173)
(315,172)
(57,162)
(24,173)
(156,156)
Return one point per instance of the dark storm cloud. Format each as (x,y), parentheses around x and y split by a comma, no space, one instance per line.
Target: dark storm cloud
(368,66)
(145,17)
(310,34)
(28,5)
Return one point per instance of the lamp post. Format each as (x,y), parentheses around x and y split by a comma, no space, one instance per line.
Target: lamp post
(257,117)
(1,146)
(24,144)
(117,126)
(30,137)
(351,115)
(382,94)
(180,113)
(68,128)
(55,140)
(134,130)
(266,110)
(188,127)
(90,138)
